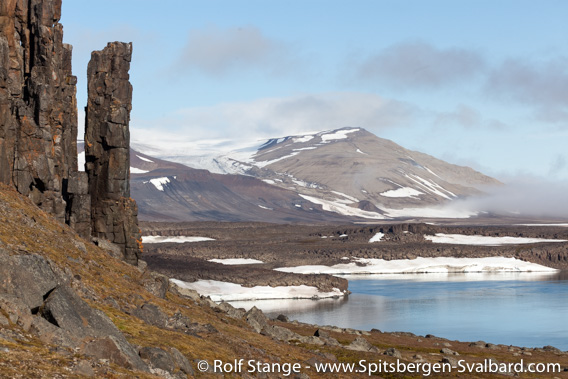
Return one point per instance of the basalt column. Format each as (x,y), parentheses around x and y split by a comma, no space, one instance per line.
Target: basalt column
(107,145)
(38,111)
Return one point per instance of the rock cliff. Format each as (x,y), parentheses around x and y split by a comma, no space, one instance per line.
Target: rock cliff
(107,148)
(38,125)
(38,111)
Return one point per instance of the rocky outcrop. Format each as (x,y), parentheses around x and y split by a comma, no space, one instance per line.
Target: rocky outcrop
(38,111)
(38,298)
(107,144)
(38,125)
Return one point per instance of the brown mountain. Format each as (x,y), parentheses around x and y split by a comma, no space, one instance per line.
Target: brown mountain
(347,174)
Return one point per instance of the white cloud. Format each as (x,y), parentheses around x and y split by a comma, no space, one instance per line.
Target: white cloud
(271,117)
(467,117)
(217,51)
(541,85)
(419,65)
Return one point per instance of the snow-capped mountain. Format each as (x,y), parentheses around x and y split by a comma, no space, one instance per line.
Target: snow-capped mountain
(169,191)
(348,173)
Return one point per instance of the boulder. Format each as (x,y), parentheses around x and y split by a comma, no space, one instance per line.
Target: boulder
(451,360)
(27,277)
(51,334)
(236,313)
(156,284)
(392,352)
(361,344)
(256,319)
(113,250)
(185,292)
(326,338)
(17,311)
(66,310)
(279,333)
(179,321)
(84,369)
(115,350)
(182,362)
(447,351)
(158,358)
(151,314)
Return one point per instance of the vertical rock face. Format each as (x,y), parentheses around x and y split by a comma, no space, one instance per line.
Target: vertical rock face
(38,125)
(107,144)
(38,111)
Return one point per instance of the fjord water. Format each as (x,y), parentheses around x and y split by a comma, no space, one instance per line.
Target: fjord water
(521,309)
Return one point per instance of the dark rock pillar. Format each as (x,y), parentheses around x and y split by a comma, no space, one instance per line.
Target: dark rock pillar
(38,109)
(107,149)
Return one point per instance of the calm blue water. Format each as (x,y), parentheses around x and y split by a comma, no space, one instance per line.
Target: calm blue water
(514,309)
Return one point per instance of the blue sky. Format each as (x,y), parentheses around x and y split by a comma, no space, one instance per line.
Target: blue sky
(477,83)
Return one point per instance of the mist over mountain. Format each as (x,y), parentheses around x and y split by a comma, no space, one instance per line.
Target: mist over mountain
(526,196)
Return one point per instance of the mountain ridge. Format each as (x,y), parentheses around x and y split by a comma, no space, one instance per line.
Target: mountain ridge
(348,172)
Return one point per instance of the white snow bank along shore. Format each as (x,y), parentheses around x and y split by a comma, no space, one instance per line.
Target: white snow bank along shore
(176,239)
(422,265)
(563,225)
(235,261)
(460,239)
(226,291)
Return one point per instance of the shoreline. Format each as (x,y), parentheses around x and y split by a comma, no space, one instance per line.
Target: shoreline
(221,290)
(234,309)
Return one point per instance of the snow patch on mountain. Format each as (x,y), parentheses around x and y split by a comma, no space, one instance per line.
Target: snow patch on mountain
(303,139)
(431,172)
(266,163)
(431,186)
(159,183)
(145,159)
(340,134)
(430,212)
(306,148)
(339,206)
(353,199)
(402,192)
(134,170)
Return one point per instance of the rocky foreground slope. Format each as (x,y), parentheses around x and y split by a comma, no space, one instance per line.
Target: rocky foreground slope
(71,309)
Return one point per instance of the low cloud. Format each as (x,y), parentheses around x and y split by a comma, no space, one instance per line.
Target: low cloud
(413,65)
(463,115)
(466,117)
(559,166)
(272,117)
(217,51)
(526,196)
